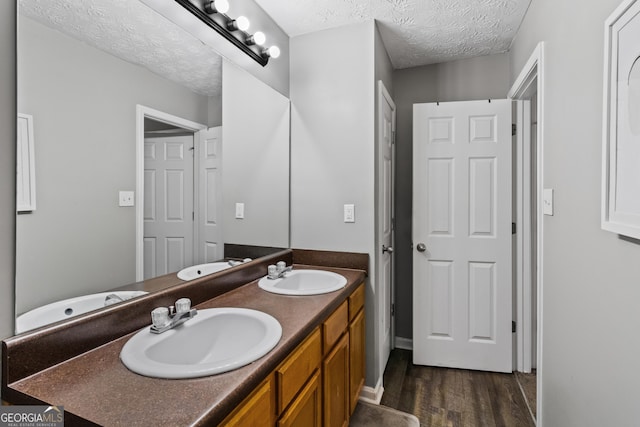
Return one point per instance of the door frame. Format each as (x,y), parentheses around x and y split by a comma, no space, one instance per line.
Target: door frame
(143,112)
(530,80)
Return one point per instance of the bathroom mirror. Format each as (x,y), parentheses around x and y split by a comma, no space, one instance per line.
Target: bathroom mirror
(81,239)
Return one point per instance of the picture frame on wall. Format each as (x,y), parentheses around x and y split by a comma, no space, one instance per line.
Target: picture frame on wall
(621,122)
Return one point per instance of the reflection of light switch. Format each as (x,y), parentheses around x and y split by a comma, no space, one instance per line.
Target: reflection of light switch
(239,210)
(126,198)
(349,213)
(547,201)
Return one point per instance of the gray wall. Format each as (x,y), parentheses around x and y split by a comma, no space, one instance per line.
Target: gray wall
(255,160)
(332,150)
(463,80)
(84,110)
(7,165)
(215,111)
(591,289)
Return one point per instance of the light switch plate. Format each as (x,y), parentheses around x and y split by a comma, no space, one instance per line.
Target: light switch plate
(126,198)
(349,213)
(239,210)
(547,201)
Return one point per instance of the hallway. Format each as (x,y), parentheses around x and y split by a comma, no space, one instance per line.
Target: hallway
(453,397)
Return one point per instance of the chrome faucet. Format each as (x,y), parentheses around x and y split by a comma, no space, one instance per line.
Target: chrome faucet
(278,271)
(165,318)
(234,262)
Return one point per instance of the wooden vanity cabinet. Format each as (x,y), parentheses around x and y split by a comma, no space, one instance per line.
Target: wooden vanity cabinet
(297,368)
(335,371)
(306,409)
(258,409)
(318,384)
(356,346)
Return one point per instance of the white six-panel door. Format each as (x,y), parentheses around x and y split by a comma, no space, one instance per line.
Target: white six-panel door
(168,204)
(386,123)
(462,235)
(209,239)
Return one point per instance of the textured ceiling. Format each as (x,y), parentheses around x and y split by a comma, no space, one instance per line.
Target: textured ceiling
(415,32)
(132,31)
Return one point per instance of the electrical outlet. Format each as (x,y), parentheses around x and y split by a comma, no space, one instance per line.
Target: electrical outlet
(126,198)
(349,213)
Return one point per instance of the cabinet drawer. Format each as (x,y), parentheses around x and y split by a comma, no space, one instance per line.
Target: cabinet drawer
(334,326)
(256,410)
(296,370)
(356,302)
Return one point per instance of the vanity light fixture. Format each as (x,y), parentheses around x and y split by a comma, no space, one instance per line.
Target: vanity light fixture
(257,38)
(214,14)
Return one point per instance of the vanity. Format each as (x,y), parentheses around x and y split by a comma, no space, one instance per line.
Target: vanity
(312,377)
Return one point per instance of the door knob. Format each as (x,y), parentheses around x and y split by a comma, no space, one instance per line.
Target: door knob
(421,247)
(387,249)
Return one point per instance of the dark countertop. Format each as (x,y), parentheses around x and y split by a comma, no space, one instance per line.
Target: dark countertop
(96,387)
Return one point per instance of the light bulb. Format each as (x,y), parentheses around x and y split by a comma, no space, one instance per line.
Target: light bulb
(243,23)
(222,6)
(274,51)
(259,38)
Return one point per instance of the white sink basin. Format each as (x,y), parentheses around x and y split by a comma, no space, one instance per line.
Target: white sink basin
(217,340)
(65,309)
(304,282)
(200,270)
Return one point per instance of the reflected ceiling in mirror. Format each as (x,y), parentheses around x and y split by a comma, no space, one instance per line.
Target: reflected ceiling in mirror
(132,31)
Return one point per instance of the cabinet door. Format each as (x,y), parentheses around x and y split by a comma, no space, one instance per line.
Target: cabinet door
(297,368)
(336,385)
(257,410)
(356,355)
(306,409)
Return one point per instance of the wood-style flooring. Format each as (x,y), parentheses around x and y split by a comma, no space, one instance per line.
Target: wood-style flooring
(443,397)
(528,385)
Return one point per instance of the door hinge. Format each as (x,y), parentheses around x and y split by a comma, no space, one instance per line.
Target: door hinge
(393,223)
(193,216)
(393,309)
(393,137)
(514,130)
(513,326)
(513,228)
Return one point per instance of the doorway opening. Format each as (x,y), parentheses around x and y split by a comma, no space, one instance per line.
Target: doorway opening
(199,137)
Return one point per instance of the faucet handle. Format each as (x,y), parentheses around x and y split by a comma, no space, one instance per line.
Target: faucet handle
(183,305)
(160,317)
(280,266)
(272,270)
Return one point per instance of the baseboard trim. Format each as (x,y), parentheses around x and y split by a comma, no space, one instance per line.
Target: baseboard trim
(404,343)
(372,394)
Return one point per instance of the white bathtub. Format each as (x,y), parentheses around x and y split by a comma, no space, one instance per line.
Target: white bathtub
(65,309)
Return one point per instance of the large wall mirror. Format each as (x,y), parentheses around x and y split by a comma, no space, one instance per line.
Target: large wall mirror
(92,75)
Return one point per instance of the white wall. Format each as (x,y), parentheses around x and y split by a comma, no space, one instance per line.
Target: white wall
(591,289)
(7,165)
(255,160)
(84,110)
(463,80)
(332,149)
